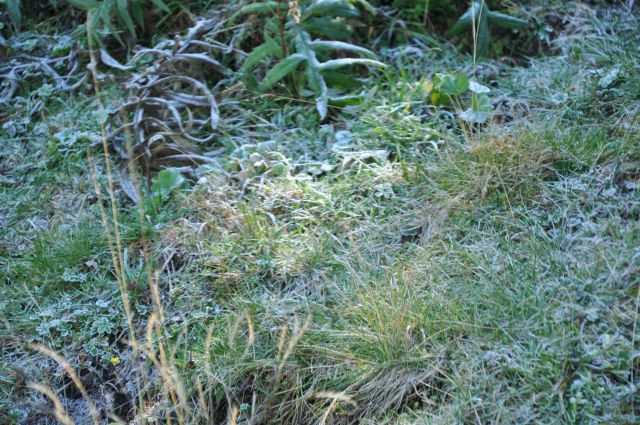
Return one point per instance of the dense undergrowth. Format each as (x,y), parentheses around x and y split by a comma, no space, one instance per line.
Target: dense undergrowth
(457,241)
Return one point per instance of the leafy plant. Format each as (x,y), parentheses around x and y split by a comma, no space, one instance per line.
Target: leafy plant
(290,38)
(163,184)
(393,22)
(447,89)
(478,18)
(166,181)
(111,18)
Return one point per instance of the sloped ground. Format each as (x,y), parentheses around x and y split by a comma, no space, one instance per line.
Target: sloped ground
(393,266)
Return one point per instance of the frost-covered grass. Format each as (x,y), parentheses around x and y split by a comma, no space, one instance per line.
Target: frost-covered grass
(389,267)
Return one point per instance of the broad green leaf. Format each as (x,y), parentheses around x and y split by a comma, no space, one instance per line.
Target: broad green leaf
(302,43)
(472,14)
(322,104)
(285,67)
(319,86)
(454,84)
(270,7)
(340,45)
(367,6)
(333,8)
(348,100)
(257,55)
(265,7)
(481,103)
(166,181)
(315,80)
(326,27)
(506,21)
(339,63)
(272,26)
(480,110)
(340,80)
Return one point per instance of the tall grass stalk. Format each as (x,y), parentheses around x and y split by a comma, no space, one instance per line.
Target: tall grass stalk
(113,234)
(174,396)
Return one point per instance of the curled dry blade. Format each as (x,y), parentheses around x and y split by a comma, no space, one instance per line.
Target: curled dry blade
(171,114)
(46,64)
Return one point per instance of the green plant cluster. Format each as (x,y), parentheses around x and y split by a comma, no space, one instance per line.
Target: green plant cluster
(122,20)
(289,39)
(477,21)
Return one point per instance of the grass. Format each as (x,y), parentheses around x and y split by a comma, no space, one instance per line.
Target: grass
(430,273)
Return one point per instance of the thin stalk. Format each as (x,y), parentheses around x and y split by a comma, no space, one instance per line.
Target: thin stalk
(115,243)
